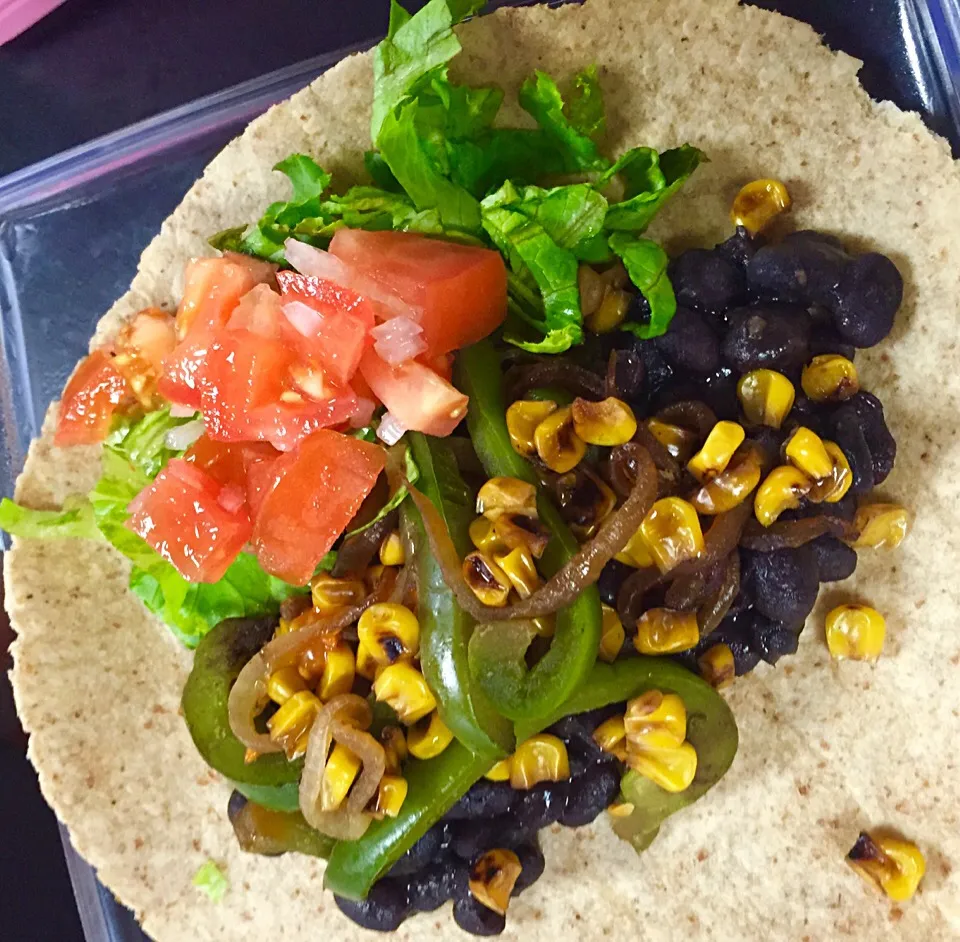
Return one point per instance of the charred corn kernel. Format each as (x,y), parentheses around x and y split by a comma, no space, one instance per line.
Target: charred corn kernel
(403,687)
(608,422)
(830,378)
(724,439)
(339,672)
(559,446)
(331,594)
(636,553)
(613,635)
(671,532)
(717,666)
(339,774)
(391,794)
(732,486)
(620,809)
(611,736)
(586,501)
(390,632)
(523,417)
(805,450)
(766,397)
(493,877)
(506,496)
(782,489)
(394,748)
(521,531)
(664,631)
(611,313)
(892,864)
(833,487)
(880,526)
(290,725)
(484,537)
(392,552)
(592,288)
(501,771)
(429,737)
(679,442)
(367,665)
(758,204)
(855,632)
(656,720)
(542,758)
(284,683)
(487,580)
(546,625)
(672,769)
(520,570)
(313,659)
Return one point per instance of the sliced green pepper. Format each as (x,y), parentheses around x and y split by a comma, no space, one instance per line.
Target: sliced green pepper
(711,728)
(445,628)
(497,655)
(264,831)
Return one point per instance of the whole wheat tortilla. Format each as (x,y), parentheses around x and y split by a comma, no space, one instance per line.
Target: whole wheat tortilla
(825,750)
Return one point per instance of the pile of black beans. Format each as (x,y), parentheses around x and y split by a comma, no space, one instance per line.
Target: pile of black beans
(490,815)
(747,305)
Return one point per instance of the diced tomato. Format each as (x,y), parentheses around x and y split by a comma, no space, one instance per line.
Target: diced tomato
(325,296)
(89,401)
(145,339)
(285,424)
(416,396)
(180,382)
(212,289)
(441,365)
(261,478)
(183,516)
(459,290)
(227,462)
(316,491)
(259,311)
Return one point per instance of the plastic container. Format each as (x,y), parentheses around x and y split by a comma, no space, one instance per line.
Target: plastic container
(72,229)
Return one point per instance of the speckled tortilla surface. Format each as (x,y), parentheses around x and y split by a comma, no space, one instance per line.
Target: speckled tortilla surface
(825,749)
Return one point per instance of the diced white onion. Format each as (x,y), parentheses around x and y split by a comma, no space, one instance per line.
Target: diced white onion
(305,319)
(178,411)
(398,340)
(390,430)
(183,436)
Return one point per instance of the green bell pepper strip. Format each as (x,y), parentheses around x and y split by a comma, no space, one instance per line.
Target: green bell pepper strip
(434,786)
(496,654)
(285,798)
(445,628)
(278,832)
(711,729)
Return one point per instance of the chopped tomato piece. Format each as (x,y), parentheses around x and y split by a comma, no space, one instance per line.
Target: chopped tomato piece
(189,520)
(227,462)
(180,382)
(314,494)
(416,396)
(441,365)
(285,424)
(140,348)
(260,312)
(459,291)
(89,401)
(212,289)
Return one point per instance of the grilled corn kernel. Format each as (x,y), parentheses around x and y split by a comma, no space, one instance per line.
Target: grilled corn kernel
(585,499)
(656,720)
(782,489)
(613,635)
(636,553)
(501,771)
(679,442)
(523,417)
(805,450)
(671,532)
(506,496)
(339,672)
(313,659)
(724,439)
(611,313)
(611,736)
(608,423)
(732,486)
(664,631)
(672,769)
(620,809)
(493,877)
(717,666)
(484,537)
(429,737)
(391,794)
(520,570)
(394,748)
(284,683)
(339,774)
(290,725)
(487,580)
(880,526)
(830,378)
(766,397)
(330,594)
(542,758)
(390,632)
(833,487)
(367,665)
(560,448)
(855,632)
(520,531)
(758,204)
(403,687)
(891,864)
(392,552)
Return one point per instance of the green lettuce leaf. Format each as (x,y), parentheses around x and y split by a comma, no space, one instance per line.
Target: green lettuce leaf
(584,106)
(75,521)
(143,441)
(398,496)
(211,881)
(646,264)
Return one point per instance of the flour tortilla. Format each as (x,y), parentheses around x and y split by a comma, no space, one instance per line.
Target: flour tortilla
(825,750)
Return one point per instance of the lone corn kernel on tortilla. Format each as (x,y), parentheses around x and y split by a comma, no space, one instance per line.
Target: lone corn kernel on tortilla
(826,752)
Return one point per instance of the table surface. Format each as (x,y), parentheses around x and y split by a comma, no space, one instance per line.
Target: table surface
(94,66)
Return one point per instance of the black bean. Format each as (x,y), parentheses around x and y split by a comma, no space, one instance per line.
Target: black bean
(719,391)
(573,727)
(825,340)
(532,862)
(768,336)
(235,805)
(736,632)
(475,918)
(659,371)
(612,577)
(690,342)
(806,412)
(472,838)
(740,247)
(882,445)
(784,583)
(835,560)
(485,799)
(542,805)
(843,509)
(869,294)
(590,794)
(383,910)
(773,639)
(805,268)
(433,886)
(707,281)
(848,434)
(629,374)
(421,853)
(769,439)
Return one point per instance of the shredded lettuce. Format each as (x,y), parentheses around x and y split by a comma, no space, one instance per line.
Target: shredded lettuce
(74,522)
(143,441)
(646,264)
(211,881)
